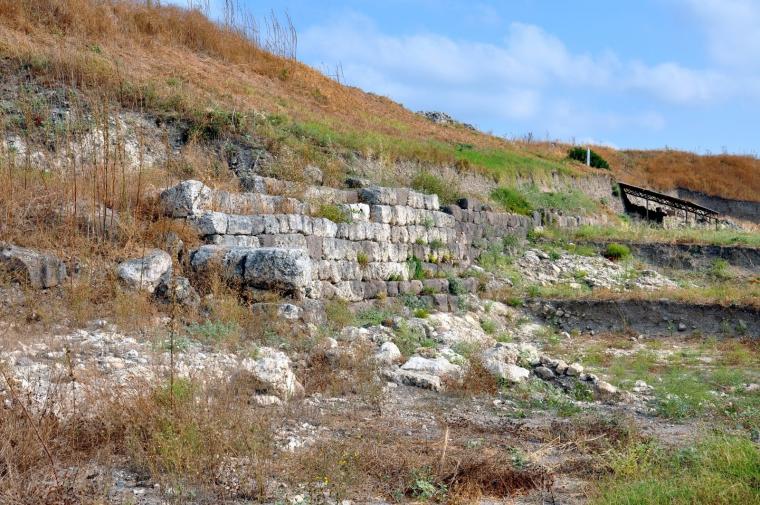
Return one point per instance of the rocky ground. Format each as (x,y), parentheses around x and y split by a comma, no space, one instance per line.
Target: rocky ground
(486,378)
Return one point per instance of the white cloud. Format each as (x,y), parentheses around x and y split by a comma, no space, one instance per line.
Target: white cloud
(732,28)
(674,83)
(528,77)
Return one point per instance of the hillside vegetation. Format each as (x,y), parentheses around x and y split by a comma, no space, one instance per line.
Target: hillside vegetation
(173,61)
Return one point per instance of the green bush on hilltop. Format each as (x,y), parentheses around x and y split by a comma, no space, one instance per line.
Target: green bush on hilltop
(579,154)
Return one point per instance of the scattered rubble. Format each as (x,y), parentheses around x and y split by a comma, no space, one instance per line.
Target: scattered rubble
(538,267)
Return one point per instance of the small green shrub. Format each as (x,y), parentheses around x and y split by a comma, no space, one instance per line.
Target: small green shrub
(422,313)
(615,251)
(415,268)
(488,326)
(373,317)
(511,200)
(456,287)
(338,314)
(579,154)
(333,212)
(213,332)
(362,258)
(720,270)
(427,182)
(408,338)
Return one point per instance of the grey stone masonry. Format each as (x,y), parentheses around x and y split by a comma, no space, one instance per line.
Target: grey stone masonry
(391,233)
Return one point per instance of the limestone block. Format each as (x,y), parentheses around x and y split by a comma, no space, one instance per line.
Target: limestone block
(271,225)
(431,202)
(338,249)
(416,200)
(210,223)
(351,291)
(284,222)
(284,240)
(349,270)
(314,246)
(187,198)
(399,234)
(279,269)
(436,285)
(234,240)
(239,225)
(374,289)
(258,224)
(382,214)
(392,288)
(322,227)
(357,211)
(443,220)
(227,260)
(376,195)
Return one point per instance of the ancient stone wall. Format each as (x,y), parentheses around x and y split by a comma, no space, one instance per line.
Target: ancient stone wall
(396,240)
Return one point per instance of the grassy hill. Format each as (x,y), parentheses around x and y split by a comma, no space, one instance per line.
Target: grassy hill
(171,61)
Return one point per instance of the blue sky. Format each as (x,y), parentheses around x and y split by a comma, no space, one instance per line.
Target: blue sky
(628,73)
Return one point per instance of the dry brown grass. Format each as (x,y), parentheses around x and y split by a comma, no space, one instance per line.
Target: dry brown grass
(729,176)
(184,438)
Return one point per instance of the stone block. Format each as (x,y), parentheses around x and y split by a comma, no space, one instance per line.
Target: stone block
(239,225)
(392,288)
(382,214)
(234,240)
(284,240)
(314,246)
(210,223)
(377,195)
(358,211)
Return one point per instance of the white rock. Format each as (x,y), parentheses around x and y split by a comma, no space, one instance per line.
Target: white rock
(438,367)
(145,273)
(269,374)
(185,199)
(389,353)
(574,369)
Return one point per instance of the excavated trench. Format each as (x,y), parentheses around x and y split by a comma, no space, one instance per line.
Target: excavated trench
(650,317)
(691,256)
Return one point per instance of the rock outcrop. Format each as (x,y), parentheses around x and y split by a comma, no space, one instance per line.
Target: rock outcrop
(147,272)
(39,270)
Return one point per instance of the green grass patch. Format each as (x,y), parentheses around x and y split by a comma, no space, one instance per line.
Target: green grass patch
(512,200)
(431,184)
(333,212)
(720,470)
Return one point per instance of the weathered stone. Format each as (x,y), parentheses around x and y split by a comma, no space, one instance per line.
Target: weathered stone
(290,312)
(226,260)
(388,354)
(187,198)
(145,273)
(279,269)
(544,372)
(418,379)
(210,223)
(234,240)
(37,269)
(177,289)
(439,367)
(313,174)
(574,369)
(268,374)
(604,390)
(508,372)
(377,195)
(561,367)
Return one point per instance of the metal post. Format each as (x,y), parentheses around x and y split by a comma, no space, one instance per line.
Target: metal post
(588,156)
